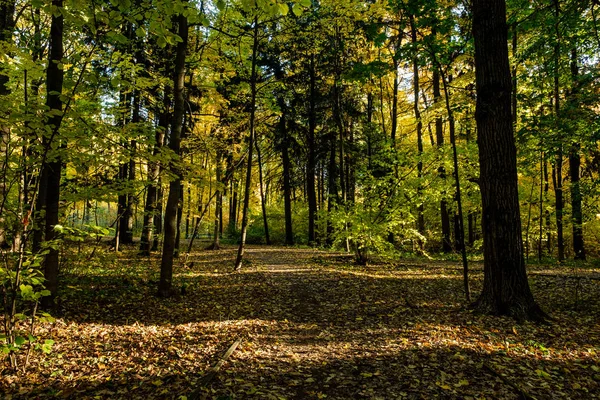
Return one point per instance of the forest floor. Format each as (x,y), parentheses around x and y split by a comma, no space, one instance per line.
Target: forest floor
(313,326)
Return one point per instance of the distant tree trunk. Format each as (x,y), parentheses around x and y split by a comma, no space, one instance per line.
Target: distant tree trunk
(439,134)
(394,111)
(416,90)
(263,197)
(158,215)
(287,186)
(179,219)
(251,134)
(216,244)
(557,166)
(459,218)
(7,10)
(575,171)
(505,287)
(233,206)
(541,205)
(332,195)
(311,162)
(51,170)
(166,266)
(151,206)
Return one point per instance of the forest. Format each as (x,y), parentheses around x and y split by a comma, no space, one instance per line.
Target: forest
(302,199)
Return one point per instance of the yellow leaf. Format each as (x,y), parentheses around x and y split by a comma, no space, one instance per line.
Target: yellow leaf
(366,375)
(157,382)
(462,382)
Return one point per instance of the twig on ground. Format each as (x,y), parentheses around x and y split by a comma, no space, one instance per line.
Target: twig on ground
(212,372)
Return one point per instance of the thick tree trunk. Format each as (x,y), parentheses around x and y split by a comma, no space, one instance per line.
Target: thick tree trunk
(166,266)
(505,287)
(51,170)
(251,134)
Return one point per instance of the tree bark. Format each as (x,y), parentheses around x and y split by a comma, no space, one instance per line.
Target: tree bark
(52,168)
(151,205)
(416,90)
(557,166)
(166,266)
(7,10)
(311,162)
(505,289)
(263,197)
(287,186)
(251,134)
(575,171)
(439,134)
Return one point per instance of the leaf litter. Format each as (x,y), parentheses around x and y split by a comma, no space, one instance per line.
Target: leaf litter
(312,326)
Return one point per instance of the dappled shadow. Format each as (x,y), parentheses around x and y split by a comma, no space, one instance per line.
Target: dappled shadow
(313,325)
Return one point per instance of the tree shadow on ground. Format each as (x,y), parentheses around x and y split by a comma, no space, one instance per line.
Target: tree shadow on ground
(311,329)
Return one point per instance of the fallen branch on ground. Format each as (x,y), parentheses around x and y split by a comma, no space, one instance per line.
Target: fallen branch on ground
(212,372)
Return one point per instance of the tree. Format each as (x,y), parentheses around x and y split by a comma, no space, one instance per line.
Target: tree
(171,228)
(505,289)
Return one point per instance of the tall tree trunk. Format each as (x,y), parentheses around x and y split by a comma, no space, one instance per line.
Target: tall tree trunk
(311,144)
(394,112)
(251,134)
(51,170)
(263,197)
(151,205)
(557,166)
(575,171)
(170,236)
(416,90)
(439,134)
(459,218)
(505,288)
(216,244)
(7,10)
(287,186)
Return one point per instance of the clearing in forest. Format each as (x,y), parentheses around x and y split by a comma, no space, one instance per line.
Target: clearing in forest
(312,326)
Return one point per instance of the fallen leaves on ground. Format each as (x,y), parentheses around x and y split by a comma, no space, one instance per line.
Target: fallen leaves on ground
(314,326)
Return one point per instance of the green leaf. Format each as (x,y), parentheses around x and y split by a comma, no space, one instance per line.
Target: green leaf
(306,3)
(297,10)
(19,341)
(47,346)
(283,9)
(220,5)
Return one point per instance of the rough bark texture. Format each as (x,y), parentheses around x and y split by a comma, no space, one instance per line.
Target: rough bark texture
(505,289)
(51,170)
(170,236)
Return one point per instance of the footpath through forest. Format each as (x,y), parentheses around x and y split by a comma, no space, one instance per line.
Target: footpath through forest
(310,325)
